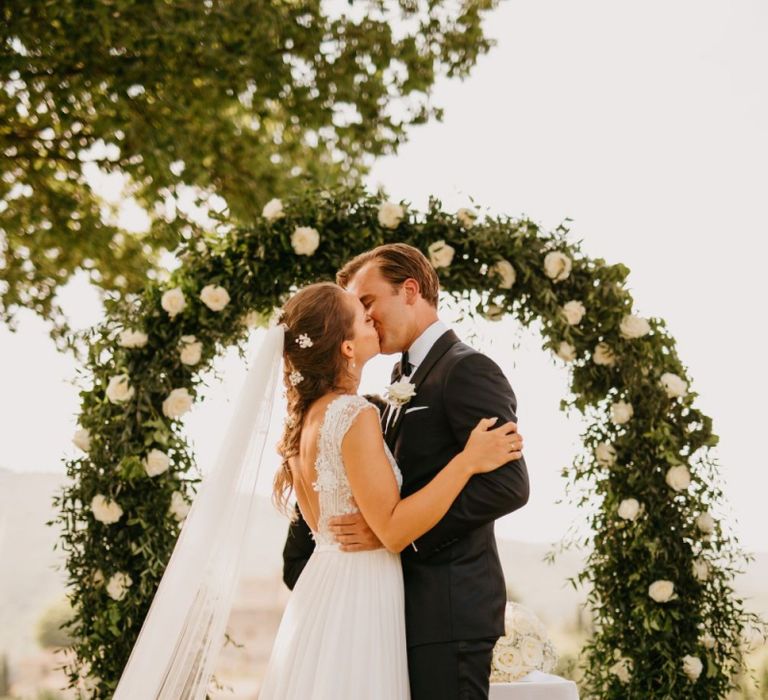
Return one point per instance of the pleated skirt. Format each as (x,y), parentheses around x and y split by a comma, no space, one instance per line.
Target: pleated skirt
(342,634)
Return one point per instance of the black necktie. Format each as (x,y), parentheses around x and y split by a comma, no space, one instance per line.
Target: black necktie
(405,366)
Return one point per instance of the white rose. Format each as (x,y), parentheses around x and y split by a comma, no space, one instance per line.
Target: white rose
(82,439)
(177,404)
(105,510)
(191,350)
(557,265)
(678,477)
(662,591)
(132,339)
(156,462)
(629,509)
(603,355)
(119,389)
(400,392)
(118,585)
(606,454)
(621,412)
(466,217)
(521,622)
(707,641)
(706,523)
(622,669)
(305,240)
(692,666)
(390,214)
(673,385)
(440,254)
(273,210)
(701,569)
(508,662)
(214,297)
(566,351)
(573,312)
(634,327)
(494,312)
(531,652)
(179,508)
(173,301)
(505,272)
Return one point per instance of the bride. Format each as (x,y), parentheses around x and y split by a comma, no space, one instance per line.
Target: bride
(342,634)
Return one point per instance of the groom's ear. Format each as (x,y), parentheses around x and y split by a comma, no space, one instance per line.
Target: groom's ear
(412,290)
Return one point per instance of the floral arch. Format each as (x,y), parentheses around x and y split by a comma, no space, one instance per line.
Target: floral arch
(666,620)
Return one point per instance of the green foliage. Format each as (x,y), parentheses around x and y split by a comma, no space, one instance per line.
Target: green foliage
(232,99)
(5,676)
(259,267)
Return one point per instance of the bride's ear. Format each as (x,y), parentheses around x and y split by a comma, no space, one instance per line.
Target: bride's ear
(348,349)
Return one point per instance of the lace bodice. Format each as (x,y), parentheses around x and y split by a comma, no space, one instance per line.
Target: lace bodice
(331,484)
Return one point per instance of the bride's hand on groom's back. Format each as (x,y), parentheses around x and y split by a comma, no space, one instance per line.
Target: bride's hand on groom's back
(489,448)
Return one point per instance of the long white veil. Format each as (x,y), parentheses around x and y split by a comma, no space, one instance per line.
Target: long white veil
(183,632)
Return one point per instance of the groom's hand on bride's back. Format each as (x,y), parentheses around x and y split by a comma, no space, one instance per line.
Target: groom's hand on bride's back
(353,534)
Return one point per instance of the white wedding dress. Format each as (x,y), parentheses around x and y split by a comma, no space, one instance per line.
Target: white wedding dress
(342,635)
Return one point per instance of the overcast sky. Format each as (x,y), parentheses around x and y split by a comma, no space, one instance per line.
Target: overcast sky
(647,124)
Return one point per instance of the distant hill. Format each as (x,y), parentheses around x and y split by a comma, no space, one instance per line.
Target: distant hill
(30,581)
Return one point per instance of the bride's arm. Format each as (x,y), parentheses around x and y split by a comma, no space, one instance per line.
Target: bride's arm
(398,522)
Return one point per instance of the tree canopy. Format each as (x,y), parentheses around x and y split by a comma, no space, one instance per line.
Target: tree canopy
(219,103)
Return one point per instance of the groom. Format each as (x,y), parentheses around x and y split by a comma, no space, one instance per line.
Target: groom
(454,586)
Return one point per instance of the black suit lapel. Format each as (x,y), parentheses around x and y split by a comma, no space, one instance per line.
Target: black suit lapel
(441,346)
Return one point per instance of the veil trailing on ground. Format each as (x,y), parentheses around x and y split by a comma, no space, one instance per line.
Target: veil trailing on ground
(183,632)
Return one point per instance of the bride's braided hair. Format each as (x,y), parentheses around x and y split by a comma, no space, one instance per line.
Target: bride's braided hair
(320,314)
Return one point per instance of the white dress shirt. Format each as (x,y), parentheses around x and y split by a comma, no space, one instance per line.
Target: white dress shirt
(423,344)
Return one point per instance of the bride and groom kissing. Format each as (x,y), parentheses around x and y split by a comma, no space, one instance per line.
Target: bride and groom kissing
(398,590)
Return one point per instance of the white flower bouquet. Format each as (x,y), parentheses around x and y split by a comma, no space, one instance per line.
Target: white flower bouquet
(525,646)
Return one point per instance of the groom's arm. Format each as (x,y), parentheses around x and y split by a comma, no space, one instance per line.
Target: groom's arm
(299,546)
(476,388)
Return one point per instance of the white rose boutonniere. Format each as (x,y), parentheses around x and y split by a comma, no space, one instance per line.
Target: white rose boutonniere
(400,393)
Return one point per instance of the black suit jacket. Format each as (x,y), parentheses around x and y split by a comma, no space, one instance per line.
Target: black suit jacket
(454,585)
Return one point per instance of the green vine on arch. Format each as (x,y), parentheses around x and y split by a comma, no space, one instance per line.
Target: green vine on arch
(661,565)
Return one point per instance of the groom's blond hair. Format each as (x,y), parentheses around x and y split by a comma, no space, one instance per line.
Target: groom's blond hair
(397,262)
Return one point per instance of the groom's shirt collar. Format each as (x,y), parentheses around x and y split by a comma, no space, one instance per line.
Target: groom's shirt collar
(423,344)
